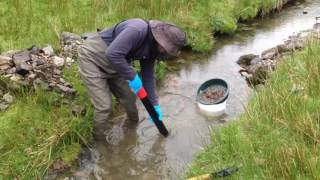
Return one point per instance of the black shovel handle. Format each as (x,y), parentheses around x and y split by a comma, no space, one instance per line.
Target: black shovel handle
(155,117)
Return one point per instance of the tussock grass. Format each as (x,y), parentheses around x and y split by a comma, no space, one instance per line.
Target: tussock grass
(27,22)
(40,128)
(279,135)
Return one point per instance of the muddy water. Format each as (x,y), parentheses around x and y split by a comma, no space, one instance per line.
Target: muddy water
(141,153)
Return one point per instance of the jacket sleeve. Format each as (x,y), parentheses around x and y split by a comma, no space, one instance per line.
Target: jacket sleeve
(119,48)
(148,80)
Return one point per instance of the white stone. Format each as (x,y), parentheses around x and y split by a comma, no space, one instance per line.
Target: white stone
(58,61)
(8,98)
(69,60)
(48,50)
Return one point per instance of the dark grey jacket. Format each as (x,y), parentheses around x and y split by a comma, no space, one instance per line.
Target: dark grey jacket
(132,40)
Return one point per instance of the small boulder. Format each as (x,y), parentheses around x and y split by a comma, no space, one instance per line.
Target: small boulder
(282,48)
(4,67)
(78,110)
(16,77)
(270,53)
(23,68)
(21,57)
(3,106)
(8,98)
(69,61)
(255,61)
(58,61)
(5,60)
(11,70)
(47,50)
(246,59)
(65,89)
(40,84)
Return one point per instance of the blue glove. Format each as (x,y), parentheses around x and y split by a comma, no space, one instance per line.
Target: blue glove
(135,84)
(158,110)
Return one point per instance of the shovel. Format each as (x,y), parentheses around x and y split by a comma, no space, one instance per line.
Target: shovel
(143,96)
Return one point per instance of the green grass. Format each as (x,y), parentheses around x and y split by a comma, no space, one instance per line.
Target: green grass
(279,135)
(27,22)
(40,128)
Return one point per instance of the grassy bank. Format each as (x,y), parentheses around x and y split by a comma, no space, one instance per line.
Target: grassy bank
(279,135)
(39,127)
(27,22)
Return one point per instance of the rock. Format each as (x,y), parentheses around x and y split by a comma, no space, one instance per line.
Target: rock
(67,84)
(305,11)
(4,67)
(65,89)
(32,76)
(67,37)
(8,98)
(11,70)
(37,60)
(69,61)
(282,48)
(259,87)
(295,44)
(5,60)
(47,50)
(62,80)
(78,110)
(270,53)
(21,57)
(16,78)
(59,165)
(252,69)
(3,106)
(22,62)
(246,59)
(34,49)
(255,61)
(40,84)
(23,68)
(58,61)
(57,71)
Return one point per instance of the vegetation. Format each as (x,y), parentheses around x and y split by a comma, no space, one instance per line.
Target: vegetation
(27,22)
(39,127)
(279,135)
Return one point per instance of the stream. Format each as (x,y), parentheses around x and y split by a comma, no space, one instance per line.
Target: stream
(142,153)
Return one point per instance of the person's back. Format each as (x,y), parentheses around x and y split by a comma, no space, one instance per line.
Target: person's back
(105,60)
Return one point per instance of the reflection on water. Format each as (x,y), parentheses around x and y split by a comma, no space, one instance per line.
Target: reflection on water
(142,153)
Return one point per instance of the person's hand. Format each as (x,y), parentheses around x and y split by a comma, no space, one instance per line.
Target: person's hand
(135,84)
(158,110)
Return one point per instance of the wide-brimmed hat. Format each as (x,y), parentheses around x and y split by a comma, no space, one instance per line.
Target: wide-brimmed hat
(168,35)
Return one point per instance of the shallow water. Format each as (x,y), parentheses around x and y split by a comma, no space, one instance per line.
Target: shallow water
(141,153)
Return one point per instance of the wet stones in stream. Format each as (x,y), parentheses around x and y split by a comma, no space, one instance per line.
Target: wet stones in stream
(256,68)
(212,94)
